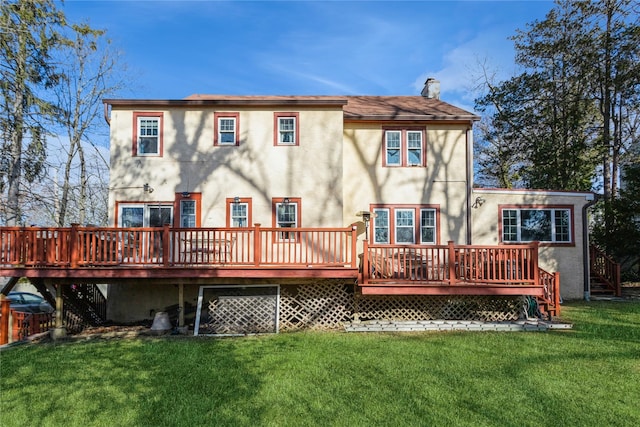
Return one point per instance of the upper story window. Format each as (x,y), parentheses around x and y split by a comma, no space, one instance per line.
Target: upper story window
(226,129)
(147,134)
(238,212)
(286,128)
(405,225)
(404,147)
(528,224)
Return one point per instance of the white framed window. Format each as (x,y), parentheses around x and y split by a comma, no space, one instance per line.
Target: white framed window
(552,225)
(393,148)
(286,128)
(428,226)
(414,148)
(144,215)
(187,213)
(381,226)
(239,214)
(405,230)
(227,131)
(404,147)
(287,216)
(405,224)
(148,138)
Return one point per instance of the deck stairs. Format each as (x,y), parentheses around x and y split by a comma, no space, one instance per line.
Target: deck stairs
(84,304)
(605,273)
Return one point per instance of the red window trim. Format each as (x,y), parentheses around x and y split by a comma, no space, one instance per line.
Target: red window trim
(223,115)
(230,201)
(571,243)
(274,214)
(134,139)
(176,207)
(392,222)
(276,128)
(404,146)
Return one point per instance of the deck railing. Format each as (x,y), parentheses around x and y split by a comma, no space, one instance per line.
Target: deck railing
(452,264)
(468,265)
(177,247)
(551,286)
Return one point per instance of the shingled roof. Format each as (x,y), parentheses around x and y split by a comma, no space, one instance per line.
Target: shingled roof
(402,108)
(409,108)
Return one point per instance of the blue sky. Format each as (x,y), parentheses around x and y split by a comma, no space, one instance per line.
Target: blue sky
(176,48)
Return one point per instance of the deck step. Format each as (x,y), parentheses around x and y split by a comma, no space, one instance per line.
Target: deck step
(600,288)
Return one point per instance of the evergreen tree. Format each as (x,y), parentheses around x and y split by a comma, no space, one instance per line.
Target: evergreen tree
(28,35)
(566,120)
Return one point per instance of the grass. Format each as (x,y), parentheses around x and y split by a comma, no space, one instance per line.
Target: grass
(588,376)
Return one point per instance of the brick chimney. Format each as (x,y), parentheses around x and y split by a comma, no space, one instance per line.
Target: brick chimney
(431,88)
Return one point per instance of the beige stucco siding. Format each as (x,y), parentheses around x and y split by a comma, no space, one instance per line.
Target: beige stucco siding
(565,259)
(442,182)
(255,169)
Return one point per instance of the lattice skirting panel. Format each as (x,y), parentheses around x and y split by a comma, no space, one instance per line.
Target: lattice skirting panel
(330,304)
(435,307)
(229,311)
(323,305)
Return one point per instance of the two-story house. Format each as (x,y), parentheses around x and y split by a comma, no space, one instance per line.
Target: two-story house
(261,213)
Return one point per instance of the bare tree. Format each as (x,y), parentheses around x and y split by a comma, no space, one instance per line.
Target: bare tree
(91,73)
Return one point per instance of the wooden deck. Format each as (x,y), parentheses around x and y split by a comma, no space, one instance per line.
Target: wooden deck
(94,254)
(458,270)
(99,253)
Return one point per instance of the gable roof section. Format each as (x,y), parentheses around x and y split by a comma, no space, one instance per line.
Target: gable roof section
(403,108)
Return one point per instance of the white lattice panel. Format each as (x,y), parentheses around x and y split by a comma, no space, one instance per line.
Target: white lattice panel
(426,307)
(241,314)
(325,305)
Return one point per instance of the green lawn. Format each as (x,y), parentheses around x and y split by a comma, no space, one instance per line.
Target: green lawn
(588,376)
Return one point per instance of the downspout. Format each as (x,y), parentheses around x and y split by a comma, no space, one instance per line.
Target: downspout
(106,114)
(586,263)
(469,180)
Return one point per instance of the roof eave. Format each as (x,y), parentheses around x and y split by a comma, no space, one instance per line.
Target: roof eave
(413,118)
(337,102)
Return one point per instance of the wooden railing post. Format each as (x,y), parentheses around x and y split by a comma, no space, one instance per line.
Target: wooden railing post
(21,246)
(556,292)
(73,246)
(4,319)
(534,262)
(452,262)
(59,306)
(257,245)
(366,259)
(354,245)
(166,254)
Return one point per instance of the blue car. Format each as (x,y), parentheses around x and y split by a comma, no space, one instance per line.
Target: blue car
(29,303)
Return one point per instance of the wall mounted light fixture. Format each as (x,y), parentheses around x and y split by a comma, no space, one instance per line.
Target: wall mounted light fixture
(366,218)
(147,188)
(478,202)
